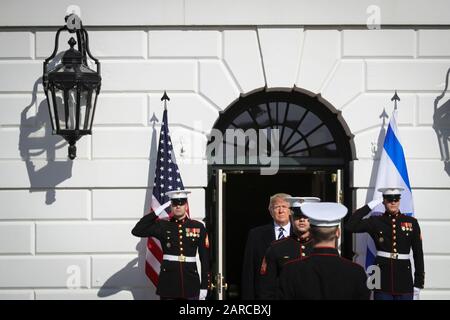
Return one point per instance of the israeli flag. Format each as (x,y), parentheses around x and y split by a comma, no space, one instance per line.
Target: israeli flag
(392,171)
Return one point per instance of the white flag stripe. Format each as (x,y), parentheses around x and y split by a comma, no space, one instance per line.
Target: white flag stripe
(391,179)
(150,258)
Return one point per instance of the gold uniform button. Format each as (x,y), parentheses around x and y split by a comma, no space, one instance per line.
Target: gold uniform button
(180,231)
(395,243)
(393,226)
(394,237)
(303,247)
(179,226)
(395,250)
(393,220)
(395,232)
(181,249)
(303,254)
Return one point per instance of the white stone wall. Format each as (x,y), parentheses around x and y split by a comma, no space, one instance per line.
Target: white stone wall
(59,219)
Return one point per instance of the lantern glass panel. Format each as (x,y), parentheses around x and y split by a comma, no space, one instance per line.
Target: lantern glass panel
(51,109)
(58,100)
(66,104)
(85,109)
(90,117)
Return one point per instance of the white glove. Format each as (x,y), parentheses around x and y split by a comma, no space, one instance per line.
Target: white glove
(416,293)
(203,293)
(372,204)
(161,208)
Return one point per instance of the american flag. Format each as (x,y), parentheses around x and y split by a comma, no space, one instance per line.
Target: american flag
(167,178)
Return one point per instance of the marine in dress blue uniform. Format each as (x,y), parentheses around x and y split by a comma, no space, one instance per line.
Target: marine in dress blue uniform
(180,239)
(324,275)
(394,235)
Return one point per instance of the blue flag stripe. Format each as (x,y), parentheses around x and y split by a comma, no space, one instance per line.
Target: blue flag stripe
(395,152)
(370,258)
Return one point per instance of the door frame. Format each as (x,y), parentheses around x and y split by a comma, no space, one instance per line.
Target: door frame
(214,218)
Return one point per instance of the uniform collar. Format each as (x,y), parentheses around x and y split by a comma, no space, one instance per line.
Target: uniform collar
(305,240)
(173,219)
(398,214)
(297,238)
(325,251)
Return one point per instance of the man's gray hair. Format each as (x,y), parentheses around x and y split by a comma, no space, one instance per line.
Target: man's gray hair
(276,196)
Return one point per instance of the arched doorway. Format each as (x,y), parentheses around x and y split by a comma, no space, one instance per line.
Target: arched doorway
(315,149)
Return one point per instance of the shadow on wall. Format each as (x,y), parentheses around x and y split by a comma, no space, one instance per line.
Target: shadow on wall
(37,145)
(130,278)
(441,124)
(377,150)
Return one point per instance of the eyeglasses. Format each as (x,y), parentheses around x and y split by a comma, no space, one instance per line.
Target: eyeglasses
(178,202)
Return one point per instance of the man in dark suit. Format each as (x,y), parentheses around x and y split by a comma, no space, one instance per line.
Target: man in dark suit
(298,245)
(259,239)
(324,275)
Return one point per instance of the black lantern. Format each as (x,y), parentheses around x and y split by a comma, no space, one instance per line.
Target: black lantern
(72,87)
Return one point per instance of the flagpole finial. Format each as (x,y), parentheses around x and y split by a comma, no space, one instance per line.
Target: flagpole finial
(395,98)
(165,96)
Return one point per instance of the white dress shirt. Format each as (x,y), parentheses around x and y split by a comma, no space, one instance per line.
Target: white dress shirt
(286,231)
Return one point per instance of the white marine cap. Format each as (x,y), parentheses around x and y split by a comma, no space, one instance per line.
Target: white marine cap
(324,214)
(177,194)
(296,202)
(391,190)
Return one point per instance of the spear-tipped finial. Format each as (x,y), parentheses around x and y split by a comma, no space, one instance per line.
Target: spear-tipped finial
(395,98)
(164,98)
